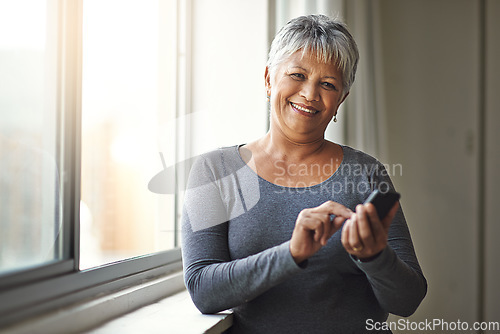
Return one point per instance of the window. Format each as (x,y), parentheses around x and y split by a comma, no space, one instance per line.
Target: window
(128,102)
(47,143)
(102,102)
(30,221)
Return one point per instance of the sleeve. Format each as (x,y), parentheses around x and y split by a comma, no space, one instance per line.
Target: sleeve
(214,281)
(395,274)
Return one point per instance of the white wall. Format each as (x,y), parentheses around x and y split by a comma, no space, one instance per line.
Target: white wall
(492,200)
(431,53)
(229,52)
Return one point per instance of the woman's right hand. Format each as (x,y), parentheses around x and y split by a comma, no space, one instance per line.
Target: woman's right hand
(314,227)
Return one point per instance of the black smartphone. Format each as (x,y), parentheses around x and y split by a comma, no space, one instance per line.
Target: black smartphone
(383,201)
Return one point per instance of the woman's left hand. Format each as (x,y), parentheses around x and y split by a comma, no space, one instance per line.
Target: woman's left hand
(364,235)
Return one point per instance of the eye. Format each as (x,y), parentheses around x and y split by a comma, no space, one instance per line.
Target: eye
(298,76)
(329,85)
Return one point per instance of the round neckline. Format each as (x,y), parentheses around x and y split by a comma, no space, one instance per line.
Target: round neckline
(322,183)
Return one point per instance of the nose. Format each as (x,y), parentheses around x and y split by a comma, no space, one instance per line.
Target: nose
(310,92)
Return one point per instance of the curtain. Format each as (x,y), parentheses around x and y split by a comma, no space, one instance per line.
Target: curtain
(365,126)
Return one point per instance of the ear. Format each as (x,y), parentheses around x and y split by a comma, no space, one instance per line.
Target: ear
(343,98)
(267,78)
(342,101)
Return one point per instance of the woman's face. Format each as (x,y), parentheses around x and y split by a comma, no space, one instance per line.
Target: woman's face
(305,95)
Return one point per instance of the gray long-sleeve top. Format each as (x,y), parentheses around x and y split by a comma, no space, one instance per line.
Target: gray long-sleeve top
(236,229)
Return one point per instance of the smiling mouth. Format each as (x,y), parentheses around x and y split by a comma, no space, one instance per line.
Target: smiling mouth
(309,111)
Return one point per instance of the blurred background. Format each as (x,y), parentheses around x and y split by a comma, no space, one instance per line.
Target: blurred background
(184,77)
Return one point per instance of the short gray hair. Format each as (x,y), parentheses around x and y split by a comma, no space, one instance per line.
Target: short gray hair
(325,37)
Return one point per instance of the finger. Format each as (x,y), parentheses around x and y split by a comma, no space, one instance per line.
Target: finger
(335,208)
(309,221)
(378,230)
(337,223)
(327,231)
(354,239)
(386,222)
(364,226)
(344,237)
(371,211)
(316,227)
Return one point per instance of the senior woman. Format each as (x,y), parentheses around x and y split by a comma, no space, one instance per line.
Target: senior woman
(276,230)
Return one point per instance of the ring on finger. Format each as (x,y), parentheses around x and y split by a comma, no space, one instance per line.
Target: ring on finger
(357,249)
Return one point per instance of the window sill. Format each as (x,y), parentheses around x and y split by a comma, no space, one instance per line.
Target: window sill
(137,309)
(175,314)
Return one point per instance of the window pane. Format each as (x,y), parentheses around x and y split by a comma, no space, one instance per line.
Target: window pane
(29,179)
(128,108)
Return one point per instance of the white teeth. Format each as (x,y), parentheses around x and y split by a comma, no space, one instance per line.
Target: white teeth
(303,109)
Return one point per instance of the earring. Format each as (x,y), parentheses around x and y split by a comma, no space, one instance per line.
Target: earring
(268,98)
(335,118)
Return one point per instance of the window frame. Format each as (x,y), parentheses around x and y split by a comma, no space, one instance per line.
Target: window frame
(60,283)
